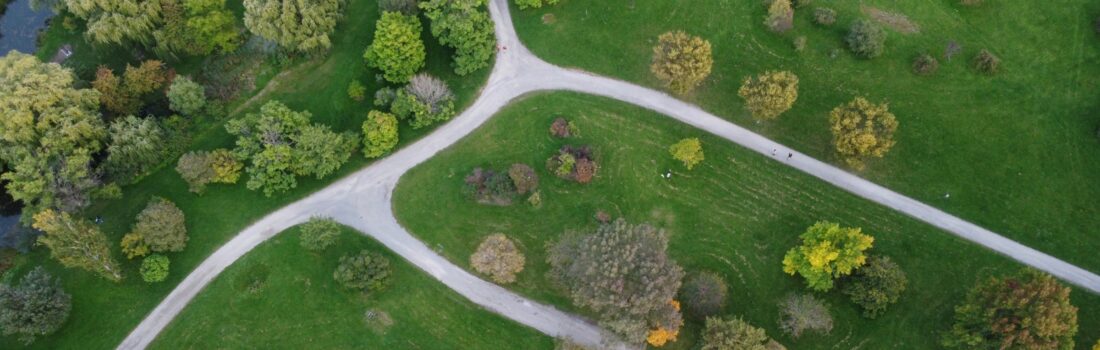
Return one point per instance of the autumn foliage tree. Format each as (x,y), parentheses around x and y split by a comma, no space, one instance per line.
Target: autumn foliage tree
(629,292)
(379,134)
(397,49)
(498,257)
(681,61)
(523,177)
(689,151)
(733,334)
(124,96)
(828,251)
(769,94)
(576,163)
(1028,310)
(161,226)
(76,243)
(861,130)
(780,16)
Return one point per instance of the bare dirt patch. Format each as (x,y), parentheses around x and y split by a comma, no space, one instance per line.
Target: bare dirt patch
(377,321)
(549,18)
(895,21)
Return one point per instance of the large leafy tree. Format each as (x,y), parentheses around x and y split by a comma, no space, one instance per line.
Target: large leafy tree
(681,61)
(828,251)
(197,27)
(733,334)
(861,130)
(297,25)
(48,134)
(877,285)
(76,243)
(465,26)
(136,146)
(118,21)
(498,257)
(161,226)
(623,273)
(1029,310)
(769,94)
(380,134)
(124,96)
(397,49)
(319,151)
(186,96)
(36,306)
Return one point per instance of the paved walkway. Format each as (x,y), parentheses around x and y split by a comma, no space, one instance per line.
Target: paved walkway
(363,199)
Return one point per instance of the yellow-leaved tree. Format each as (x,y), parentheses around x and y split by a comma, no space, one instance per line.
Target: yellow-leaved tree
(770,94)
(862,129)
(828,251)
(76,243)
(681,61)
(689,151)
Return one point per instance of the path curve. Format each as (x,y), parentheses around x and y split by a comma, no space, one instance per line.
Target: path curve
(363,200)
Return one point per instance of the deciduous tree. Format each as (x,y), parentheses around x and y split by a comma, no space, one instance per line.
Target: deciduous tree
(76,243)
(1028,310)
(154,268)
(733,334)
(117,21)
(828,251)
(704,294)
(379,134)
(689,151)
(319,151)
(866,39)
(780,16)
(681,61)
(465,26)
(196,168)
(319,233)
(226,167)
(770,94)
(424,101)
(498,257)
(366,271)
(297,25)
(877,285)
(397,49)
(862,129)
(523,177)
(803,312)
(161,225)
(137,145)
(186,96)
(36,306)
(124,96)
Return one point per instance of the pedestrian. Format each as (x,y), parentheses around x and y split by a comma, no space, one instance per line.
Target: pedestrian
(789,155)
(773,152)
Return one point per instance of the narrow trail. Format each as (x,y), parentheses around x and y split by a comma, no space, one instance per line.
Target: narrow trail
(363,200)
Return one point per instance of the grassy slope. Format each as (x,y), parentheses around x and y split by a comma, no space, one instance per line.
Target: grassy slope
(736,214)
(1017,152)
(103,312)
(300,306)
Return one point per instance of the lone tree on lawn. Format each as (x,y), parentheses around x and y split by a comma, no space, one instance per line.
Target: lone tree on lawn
(862,129)
(76,243)
(689,151)
(367,271)
(681,61)
(632,292)
(704,294)
(877,285)
(770,94)
(1029,310)
(733,334)
(297,25)
(866,39)
(161,226)
(828,251)
(498,257)
(800,313)
(397,49)
(36,306)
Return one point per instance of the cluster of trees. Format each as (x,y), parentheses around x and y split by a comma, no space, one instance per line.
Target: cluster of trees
(124,96)
(499,258)
(681,61)
(576,163)
(492,187)
(192,27)
(425,100)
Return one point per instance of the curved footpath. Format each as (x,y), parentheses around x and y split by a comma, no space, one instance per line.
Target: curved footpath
(363,199)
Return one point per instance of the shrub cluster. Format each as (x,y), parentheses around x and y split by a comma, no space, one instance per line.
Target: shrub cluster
(866,39)
(366,271)
(824,16)
(490,187)
(925,64)
(576,163)
(562,128)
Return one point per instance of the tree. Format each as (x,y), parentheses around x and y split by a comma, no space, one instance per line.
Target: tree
(196,168)
(297,25)
(770,94)
(406,7)
(124,96)
(625,290)
(49,133)
(523,177)
(1028,310)
(76,243)
(525,4)
(498,257)
(226,167)
(828,251)
(866,39)
(133,245)
(489,187)
(666,323)
(161,226)
(397,49)
(367,271)
(271,170)
(681,61)
(800,313)
(733,334)
(136,147)
(379,134)
(212,27)
(562,128)
(688,150)
(780,16)
(877,285)
(356,91)
(465,26)
(319,233)
(862,129)
(186,96)
(319,151)
(36,306)
(118,21)
(704,293)
(154,268)
(424,101)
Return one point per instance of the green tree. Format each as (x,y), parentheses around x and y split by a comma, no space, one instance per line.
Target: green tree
(302,26)
(525,4)
(319,151)
(136,147)
(161,226)
(272,170)
(627,291)
(498,257)
(465,26)
(154,268)
(49,133)
(523,177)
(704,294)
(212,27)
(424,101)
(366,271)
(1029,310)
(733,334)
(196,168)
(36,306)
(828,251)
(319,233)
(861,130)
(866,39)
(380,134)
(117,21)
(356,91)
(681,61)
(226,167)
(397,49)
(186,96)
(770,94)
(76,243)
(877,285)
(688,150)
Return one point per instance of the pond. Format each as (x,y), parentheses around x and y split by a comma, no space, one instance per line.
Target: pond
(19,27)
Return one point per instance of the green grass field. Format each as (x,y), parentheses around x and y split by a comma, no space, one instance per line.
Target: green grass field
(1017,152)
(298,306)
(737,213)
(104,312)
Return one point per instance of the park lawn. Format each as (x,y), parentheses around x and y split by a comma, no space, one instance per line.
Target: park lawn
(297,305)
(104,312)
(736,214)
(1017,152)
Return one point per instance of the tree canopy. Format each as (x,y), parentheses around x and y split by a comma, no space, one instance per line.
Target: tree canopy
(876,285)
(117,21)
(367,271)
(76,243)
(689,151)
(769,94)
(36,306)
(136,147)
(1028,310)
(297,25)
(862,129)
(380,134)
(465,26)
(828,251)
(186,96)
(498,257)
(397,49)
(733,334)
(681,61)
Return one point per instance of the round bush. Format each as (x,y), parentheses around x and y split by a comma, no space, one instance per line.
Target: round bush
(925,64)
(366,271)
(703,294)
(824,16)
(866,39)
(986,62)
(319,233)
(154,268)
